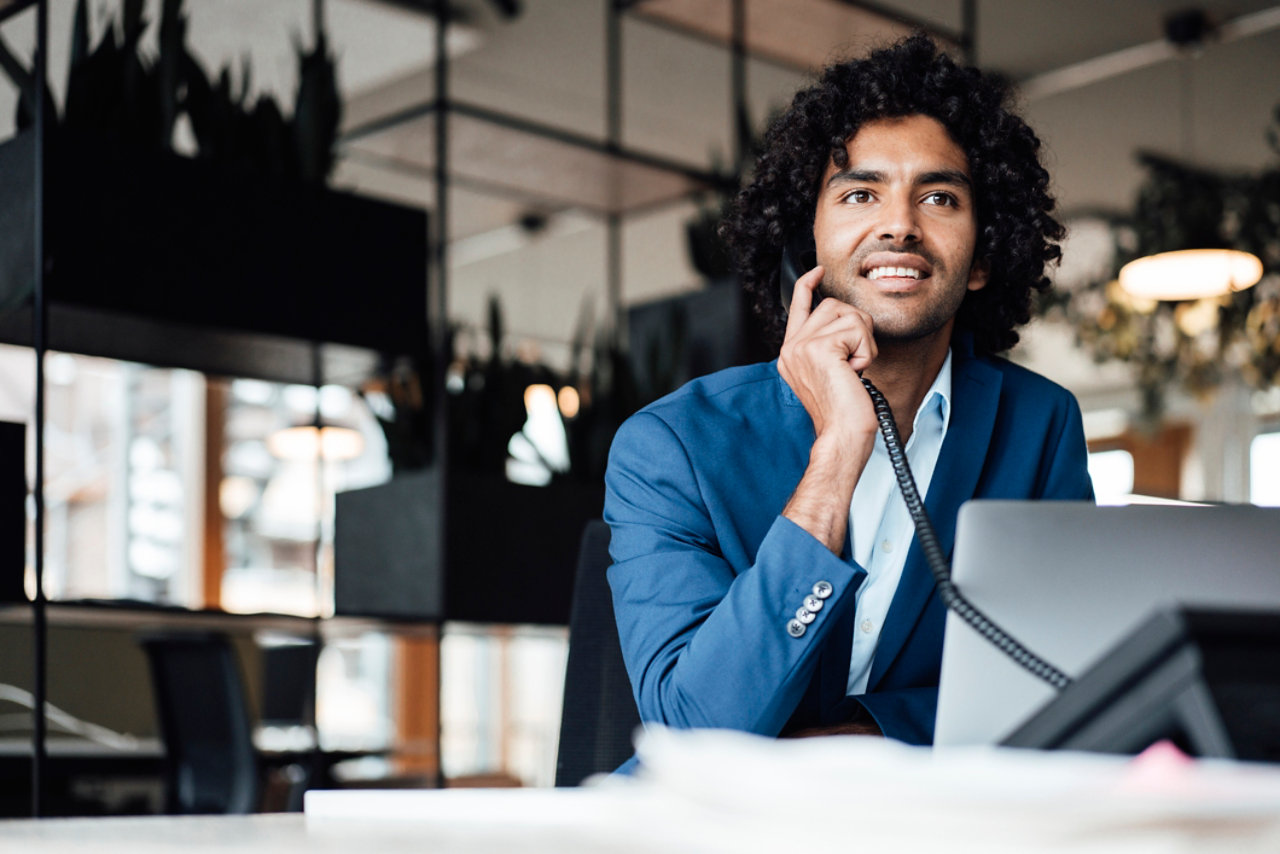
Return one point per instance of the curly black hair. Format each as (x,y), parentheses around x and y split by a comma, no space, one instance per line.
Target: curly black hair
(1017,233)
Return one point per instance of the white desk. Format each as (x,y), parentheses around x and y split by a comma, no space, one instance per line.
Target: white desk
(263,834)
(290,833)
(726,793)
(646,832)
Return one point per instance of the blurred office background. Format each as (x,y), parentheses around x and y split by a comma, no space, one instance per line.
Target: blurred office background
(573,291)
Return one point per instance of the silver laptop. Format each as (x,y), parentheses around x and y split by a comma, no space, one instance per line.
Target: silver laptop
(1070,580)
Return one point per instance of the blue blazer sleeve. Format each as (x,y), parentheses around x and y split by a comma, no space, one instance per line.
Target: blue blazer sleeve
(706,642)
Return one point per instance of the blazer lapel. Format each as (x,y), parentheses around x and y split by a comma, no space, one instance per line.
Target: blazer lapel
(975,395)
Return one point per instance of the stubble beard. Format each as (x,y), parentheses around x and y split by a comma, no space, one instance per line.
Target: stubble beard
(894,320)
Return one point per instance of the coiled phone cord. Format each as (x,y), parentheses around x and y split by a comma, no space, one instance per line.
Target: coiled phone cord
(951,597)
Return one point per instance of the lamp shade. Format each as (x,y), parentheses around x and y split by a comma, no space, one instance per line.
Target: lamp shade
(1190,274)
(304,443)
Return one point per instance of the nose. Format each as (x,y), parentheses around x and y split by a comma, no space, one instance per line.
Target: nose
(899,220)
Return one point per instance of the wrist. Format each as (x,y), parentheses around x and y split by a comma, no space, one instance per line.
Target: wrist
(842,453)
(820,503)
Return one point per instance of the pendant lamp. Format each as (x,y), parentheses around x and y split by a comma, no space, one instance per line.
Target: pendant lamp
(1190,274)
(307,442)
(1196,272)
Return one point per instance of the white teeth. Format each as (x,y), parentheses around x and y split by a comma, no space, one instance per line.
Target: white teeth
(894,272)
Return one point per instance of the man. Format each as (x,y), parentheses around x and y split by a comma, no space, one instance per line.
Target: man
(766,576)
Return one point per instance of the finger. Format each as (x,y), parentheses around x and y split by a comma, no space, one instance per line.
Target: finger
(802,299)
(845,338)
(871,333)
(863,353)
(849,317)
(830,307)
(837,317)
(848,336)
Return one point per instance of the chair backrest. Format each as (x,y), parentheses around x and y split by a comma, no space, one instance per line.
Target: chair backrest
(288,682)
(599,714)
(211,765)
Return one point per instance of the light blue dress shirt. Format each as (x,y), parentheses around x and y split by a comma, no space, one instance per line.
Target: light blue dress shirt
(880,528)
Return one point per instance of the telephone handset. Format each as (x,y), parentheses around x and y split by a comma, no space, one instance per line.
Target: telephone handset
(798,257)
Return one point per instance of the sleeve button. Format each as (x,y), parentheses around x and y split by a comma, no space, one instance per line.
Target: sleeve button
(796,629)
(813,603)
(805,616)
(823,589)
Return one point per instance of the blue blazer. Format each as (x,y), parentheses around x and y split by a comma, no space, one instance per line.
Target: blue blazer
(707,573)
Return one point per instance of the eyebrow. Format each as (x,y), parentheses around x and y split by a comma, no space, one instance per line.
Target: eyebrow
(953,177)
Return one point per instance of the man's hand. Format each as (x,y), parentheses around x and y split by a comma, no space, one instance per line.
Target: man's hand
(822,353)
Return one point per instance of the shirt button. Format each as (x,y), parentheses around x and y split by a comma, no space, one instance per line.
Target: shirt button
(796,629)
(813,603)
(805,616)
(867,627)
(822,589)
(886,546)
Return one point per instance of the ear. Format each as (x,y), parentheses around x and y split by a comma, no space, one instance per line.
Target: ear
(978,273)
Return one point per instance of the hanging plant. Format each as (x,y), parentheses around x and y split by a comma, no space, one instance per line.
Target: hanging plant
(117,89)
(1196,345)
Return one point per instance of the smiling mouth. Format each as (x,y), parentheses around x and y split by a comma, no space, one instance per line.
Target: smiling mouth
(894,273)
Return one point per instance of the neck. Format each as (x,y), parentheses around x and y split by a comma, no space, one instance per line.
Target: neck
(904,371)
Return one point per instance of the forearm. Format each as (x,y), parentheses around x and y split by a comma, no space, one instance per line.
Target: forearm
(820,503)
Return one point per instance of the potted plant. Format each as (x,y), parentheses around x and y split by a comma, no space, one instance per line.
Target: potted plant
(245,221)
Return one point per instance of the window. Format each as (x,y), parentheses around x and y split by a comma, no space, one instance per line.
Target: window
(123,451)
(1112,474)
(501,700)
(1136,466)
(1264,469)
(165,486)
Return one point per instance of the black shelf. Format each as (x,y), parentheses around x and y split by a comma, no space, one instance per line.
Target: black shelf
(799,34)
(499,154)
(170,261)
(131,617)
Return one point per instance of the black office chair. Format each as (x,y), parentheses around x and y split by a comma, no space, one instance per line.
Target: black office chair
(210,762)
(599,714)
(288,697)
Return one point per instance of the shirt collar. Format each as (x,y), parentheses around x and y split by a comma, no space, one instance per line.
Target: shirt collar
(934,414)
(938,397)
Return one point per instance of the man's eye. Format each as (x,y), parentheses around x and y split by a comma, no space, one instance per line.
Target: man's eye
(859,197)
(941,198)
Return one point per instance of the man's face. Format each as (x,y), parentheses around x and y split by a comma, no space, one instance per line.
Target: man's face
(895,228)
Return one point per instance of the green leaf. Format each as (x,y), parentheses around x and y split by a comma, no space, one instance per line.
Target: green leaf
(80,34)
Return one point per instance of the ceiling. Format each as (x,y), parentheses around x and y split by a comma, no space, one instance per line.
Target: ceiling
(548,65)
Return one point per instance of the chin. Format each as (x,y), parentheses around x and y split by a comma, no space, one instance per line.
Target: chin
(905,331)
(896,336)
